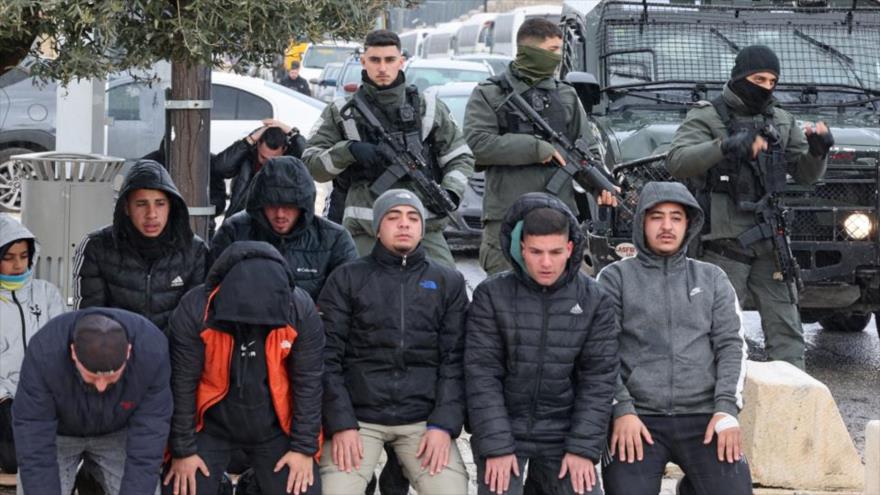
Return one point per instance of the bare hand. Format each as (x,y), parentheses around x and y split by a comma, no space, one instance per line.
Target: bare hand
(818,128)
(582,471)
(606,198)
(729,440)
(348,450)
(183,474)
(555,156)
(301,476)
(276,123)
(626,437)
(498,472)
(434,450)
(759,145)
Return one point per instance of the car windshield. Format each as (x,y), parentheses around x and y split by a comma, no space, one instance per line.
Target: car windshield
(318,56)
(701,45)
(425,77)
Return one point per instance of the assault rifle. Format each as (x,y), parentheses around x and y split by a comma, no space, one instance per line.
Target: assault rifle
(405,155)
(580,164)
(772,215)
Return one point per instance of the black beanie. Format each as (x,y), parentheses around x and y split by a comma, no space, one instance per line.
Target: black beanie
(100,342)
(752,59)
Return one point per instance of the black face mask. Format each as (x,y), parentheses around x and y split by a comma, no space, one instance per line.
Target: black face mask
(754,97)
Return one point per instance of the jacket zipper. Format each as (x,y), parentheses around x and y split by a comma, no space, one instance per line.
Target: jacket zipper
(541,351)
(148,313)
(669,410)
(23,326)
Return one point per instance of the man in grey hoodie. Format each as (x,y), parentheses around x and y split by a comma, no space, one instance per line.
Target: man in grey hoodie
(682,357)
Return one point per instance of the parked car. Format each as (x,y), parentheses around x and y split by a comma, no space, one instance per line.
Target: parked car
(651,74)
(316,56)
(507,24)
(425,73)
(136,117)
(349,79)
(413,42)
(440,43)
(475,34)
(324,86)
(498,63)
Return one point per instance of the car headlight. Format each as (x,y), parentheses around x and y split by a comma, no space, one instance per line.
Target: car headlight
(857,226)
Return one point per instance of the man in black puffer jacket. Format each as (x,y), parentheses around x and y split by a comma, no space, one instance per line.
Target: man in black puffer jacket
(541,358)
(280,208)
(149,257)
(246,358)
(394,321)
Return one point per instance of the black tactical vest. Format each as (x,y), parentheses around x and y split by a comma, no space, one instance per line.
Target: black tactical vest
(405,124)
(546,102)
(739,178)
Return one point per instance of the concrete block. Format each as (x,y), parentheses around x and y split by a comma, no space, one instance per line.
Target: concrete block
(872,458)
(794,437)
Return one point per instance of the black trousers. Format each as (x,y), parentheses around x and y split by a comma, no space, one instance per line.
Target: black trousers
(542,478)
(217,452)
(678,439)
(8,463)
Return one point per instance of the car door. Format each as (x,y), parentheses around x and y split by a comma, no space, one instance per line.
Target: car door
(235,113)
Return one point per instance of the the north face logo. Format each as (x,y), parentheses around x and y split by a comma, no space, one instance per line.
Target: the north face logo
(177,282)
(576,310)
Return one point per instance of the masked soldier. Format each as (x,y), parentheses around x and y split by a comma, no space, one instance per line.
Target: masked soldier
(717,150)
(344,145)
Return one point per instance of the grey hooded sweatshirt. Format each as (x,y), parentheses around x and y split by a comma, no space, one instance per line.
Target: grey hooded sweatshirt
(682,349)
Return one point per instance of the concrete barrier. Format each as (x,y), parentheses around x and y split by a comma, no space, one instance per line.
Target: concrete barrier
(793,435)
(872,458)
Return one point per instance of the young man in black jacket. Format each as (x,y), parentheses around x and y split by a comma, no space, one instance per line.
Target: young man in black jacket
(95,387)
(246,354)
(149,257)
(394,321)
(280,211)
(541,358)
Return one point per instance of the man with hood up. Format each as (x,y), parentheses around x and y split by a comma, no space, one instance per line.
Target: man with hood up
(345,147)
(682,358)
(149,257)
(516,161)
(246,358)
(280,211)
(540,358)
(715,151)
(26,304)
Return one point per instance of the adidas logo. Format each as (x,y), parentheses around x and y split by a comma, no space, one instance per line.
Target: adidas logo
(576,310)
(695,291)
(177,282)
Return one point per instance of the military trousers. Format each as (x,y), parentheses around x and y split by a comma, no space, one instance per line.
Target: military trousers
(780,318)
(492,259)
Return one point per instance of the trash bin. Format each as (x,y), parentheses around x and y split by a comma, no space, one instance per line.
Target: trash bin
(64,197)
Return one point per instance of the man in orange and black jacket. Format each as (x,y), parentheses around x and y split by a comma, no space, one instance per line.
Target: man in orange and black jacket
(246,357)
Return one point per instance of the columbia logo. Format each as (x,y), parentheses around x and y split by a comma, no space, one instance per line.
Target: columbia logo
(695,291)
(300,269)
(177,282)
(576,310)
(286,344)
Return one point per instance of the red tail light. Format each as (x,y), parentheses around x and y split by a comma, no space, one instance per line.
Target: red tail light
(350,87)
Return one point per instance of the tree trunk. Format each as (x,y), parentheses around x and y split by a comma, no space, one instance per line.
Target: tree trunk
(190,149)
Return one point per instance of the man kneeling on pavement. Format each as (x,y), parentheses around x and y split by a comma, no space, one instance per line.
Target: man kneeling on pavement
(682,358)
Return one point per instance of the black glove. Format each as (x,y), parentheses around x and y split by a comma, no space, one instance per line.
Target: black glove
(820,143)
(739,145)
(365,154)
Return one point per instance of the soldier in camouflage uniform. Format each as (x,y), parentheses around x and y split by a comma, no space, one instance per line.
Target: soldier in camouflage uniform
(344,146)
(515,160)
(712,150)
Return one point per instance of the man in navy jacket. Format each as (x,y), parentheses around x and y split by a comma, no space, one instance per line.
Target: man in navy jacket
(95,385)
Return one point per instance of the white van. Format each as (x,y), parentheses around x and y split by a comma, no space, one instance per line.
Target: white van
(318,55)
(441,41)
(507,24)
(413,42)
(475,34)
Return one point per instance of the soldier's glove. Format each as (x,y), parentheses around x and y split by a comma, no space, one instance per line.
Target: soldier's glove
(739,145)
(820,143)
(366,154)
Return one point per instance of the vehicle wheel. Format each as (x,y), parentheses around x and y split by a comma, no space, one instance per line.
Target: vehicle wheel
(11,174)
(851,323)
